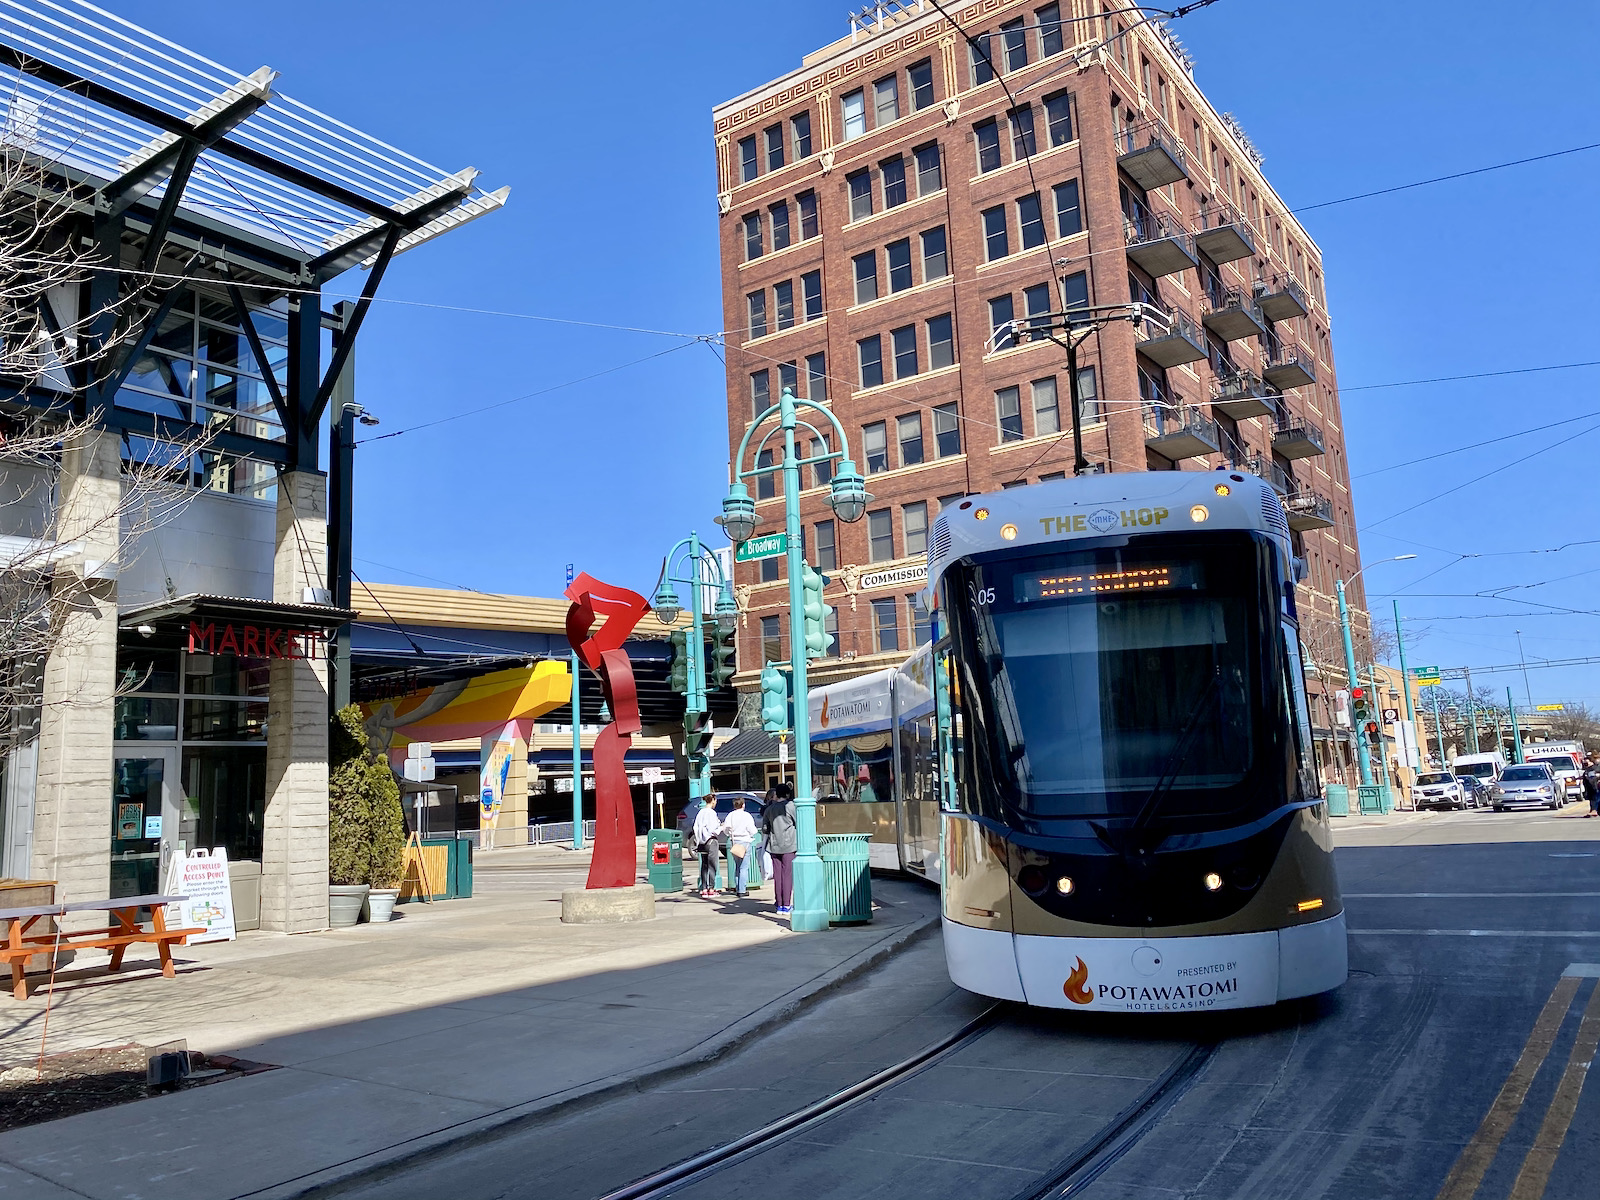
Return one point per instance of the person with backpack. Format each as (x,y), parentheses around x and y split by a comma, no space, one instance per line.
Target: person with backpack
(782,840)
(707,831)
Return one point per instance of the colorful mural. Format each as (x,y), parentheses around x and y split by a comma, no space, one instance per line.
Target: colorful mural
(466,708)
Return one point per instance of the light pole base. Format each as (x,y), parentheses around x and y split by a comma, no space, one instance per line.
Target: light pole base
(810,911)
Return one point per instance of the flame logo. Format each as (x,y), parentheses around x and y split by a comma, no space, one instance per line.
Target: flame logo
(823,719)
(1075,988)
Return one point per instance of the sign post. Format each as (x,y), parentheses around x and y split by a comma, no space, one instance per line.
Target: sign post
(201,878)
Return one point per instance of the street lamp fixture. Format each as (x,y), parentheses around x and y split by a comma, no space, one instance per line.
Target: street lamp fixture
(727,610)
(738,519)
(666,603)
(849,495)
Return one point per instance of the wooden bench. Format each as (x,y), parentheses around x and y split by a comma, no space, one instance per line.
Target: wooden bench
(19,944)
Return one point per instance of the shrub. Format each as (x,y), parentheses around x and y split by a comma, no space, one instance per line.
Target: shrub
(349,808)
(388,864)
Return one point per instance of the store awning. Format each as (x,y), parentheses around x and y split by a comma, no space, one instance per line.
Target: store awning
(746,747)
(241,609)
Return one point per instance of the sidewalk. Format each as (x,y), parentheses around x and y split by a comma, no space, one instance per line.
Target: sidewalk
(451,1020)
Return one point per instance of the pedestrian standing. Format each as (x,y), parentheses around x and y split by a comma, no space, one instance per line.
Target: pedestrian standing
(707,831)
(782,839)
(1591,787)
(740,830)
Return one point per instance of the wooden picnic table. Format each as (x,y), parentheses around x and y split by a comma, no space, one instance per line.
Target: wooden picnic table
(19,944)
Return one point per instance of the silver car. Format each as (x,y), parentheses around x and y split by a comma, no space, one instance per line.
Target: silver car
(1527,785)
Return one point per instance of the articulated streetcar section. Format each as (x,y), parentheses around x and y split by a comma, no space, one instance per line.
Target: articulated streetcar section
(1104,758)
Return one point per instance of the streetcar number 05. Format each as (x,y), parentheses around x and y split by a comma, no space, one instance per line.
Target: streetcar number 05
(982,596)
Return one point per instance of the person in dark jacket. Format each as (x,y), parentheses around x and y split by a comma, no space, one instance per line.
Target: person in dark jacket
(782,840)
(1591,787)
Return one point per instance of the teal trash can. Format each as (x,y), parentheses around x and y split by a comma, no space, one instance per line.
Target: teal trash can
(753,877)
(1338,797)
(463,868)
(846,877)
(664,854)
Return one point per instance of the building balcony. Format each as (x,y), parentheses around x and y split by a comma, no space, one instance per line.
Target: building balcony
(1151,156)
(1243,395)
(1231,314)
(1262,467)
(1177,431)
(1171,338)
(1297,438)
(1288,366)
(1223,235)
(1158,243)
(1281,298)
(1308,510)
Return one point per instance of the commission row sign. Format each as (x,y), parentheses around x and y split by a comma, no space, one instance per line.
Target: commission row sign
(895,577)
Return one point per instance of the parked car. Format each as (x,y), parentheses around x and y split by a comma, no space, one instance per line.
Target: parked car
(1526,785)
(1440,789)
(1478,788)
(753,804)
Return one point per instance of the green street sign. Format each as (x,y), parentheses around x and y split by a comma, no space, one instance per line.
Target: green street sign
(1425,676)
(768,545)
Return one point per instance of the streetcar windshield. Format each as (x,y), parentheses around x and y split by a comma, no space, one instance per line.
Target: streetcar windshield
(1099,676)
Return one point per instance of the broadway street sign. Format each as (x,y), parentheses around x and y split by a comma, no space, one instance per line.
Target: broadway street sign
(768,545)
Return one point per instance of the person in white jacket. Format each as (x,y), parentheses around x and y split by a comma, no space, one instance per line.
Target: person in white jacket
(707,829)
(740,829)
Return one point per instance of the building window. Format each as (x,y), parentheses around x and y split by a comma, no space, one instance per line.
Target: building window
(1049,29)
(771,639)
(894,181)
(1001,313)
(800,135)
(921,620)
(808,214)
(752,236)
(920,76)
(880,534)
(875,447)
(860,194)
(822,471)
(766,484)
(914,525)
(749,160)
(1069,211)
(788,378)
(756,304)
(982,65)
(870,352)
(1075,290)
(1036,307)
(1048,476)
(899,254)
(1046,415)
(941,342)
(886,624)
(772,569)
(886,101)
(853,107)
(1013,483)
(817,377)
(1022,140)
(1015,35)
(774,135)
(1008,410)
(988,136)
(780,225)
(947,501)
(935,259)
(1058,118)
(904,340)
(996,244)
(866,271)
(909,428)
(827,552)
(783,303)
(946,431)
(1030,221)
(811,293)
(930,178)
(1088,397)
(760,393)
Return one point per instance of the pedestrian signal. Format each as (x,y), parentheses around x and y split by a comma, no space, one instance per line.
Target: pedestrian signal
(724,659)
(678,675)
(774,699)
(697,740)
(818,640)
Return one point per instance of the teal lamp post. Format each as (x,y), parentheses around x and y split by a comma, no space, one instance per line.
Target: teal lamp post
(1362,761)
(848,499)
(698,569)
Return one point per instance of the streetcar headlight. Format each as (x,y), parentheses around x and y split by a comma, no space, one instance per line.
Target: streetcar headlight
(1008,531)
(1213,881)
(1199,513)
(981,514)
(1064,886)
(1223,489)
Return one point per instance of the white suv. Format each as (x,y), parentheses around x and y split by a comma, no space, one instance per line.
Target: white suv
(1440,789)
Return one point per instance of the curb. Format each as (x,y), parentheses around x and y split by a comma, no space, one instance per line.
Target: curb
(380,1163)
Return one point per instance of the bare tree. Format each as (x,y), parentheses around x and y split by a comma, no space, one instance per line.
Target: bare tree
(1575,722)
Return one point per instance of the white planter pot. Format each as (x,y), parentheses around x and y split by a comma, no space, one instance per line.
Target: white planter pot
(380,904)
(344,904)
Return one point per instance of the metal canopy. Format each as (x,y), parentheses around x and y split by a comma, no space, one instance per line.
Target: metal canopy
(143,117)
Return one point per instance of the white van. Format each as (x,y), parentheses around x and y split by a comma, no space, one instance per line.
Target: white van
(1487,767)
(1565,764)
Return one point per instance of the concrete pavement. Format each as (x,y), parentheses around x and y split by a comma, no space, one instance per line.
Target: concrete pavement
(454,1020)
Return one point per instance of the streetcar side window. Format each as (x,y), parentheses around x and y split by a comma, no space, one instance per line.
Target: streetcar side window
(1302,711)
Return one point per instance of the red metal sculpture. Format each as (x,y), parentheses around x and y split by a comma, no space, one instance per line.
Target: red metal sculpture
(601,651)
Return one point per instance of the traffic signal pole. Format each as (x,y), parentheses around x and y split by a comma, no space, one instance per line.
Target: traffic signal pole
(1362,762)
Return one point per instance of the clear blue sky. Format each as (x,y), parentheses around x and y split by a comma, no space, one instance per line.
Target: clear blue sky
(600,122)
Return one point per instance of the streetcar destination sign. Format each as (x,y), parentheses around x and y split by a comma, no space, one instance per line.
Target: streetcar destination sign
(768,545)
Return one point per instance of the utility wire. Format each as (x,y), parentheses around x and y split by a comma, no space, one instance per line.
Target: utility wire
(1479,445)
(1402,187)
(1368,387)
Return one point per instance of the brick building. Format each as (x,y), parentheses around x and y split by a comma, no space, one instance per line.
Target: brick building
(896,209)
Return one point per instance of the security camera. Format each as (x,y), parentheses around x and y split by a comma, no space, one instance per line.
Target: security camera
(146,630)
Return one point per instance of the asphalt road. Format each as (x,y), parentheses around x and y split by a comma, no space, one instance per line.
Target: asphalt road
(1451,1065)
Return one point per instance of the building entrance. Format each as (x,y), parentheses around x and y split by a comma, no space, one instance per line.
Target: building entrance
(144,818)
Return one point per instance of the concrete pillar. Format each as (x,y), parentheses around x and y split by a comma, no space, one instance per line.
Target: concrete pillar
(72,805)
(294,860)
(511,826)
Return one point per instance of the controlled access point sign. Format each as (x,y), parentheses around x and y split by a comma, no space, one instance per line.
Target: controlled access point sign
(768,545)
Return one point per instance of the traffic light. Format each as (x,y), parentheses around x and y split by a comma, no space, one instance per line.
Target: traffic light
(678,675)
(723,661)
(818,640)
(774,699)
(697,739)
(1372,729)
(1361,703)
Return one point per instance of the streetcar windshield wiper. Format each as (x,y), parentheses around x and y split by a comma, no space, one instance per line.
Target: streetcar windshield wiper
(1169,771)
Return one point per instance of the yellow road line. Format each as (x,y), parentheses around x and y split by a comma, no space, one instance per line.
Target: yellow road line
(1464,1178)
(1536,1167)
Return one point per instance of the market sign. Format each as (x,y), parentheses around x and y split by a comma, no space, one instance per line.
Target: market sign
(768,545)
(254,641)
(895,577)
